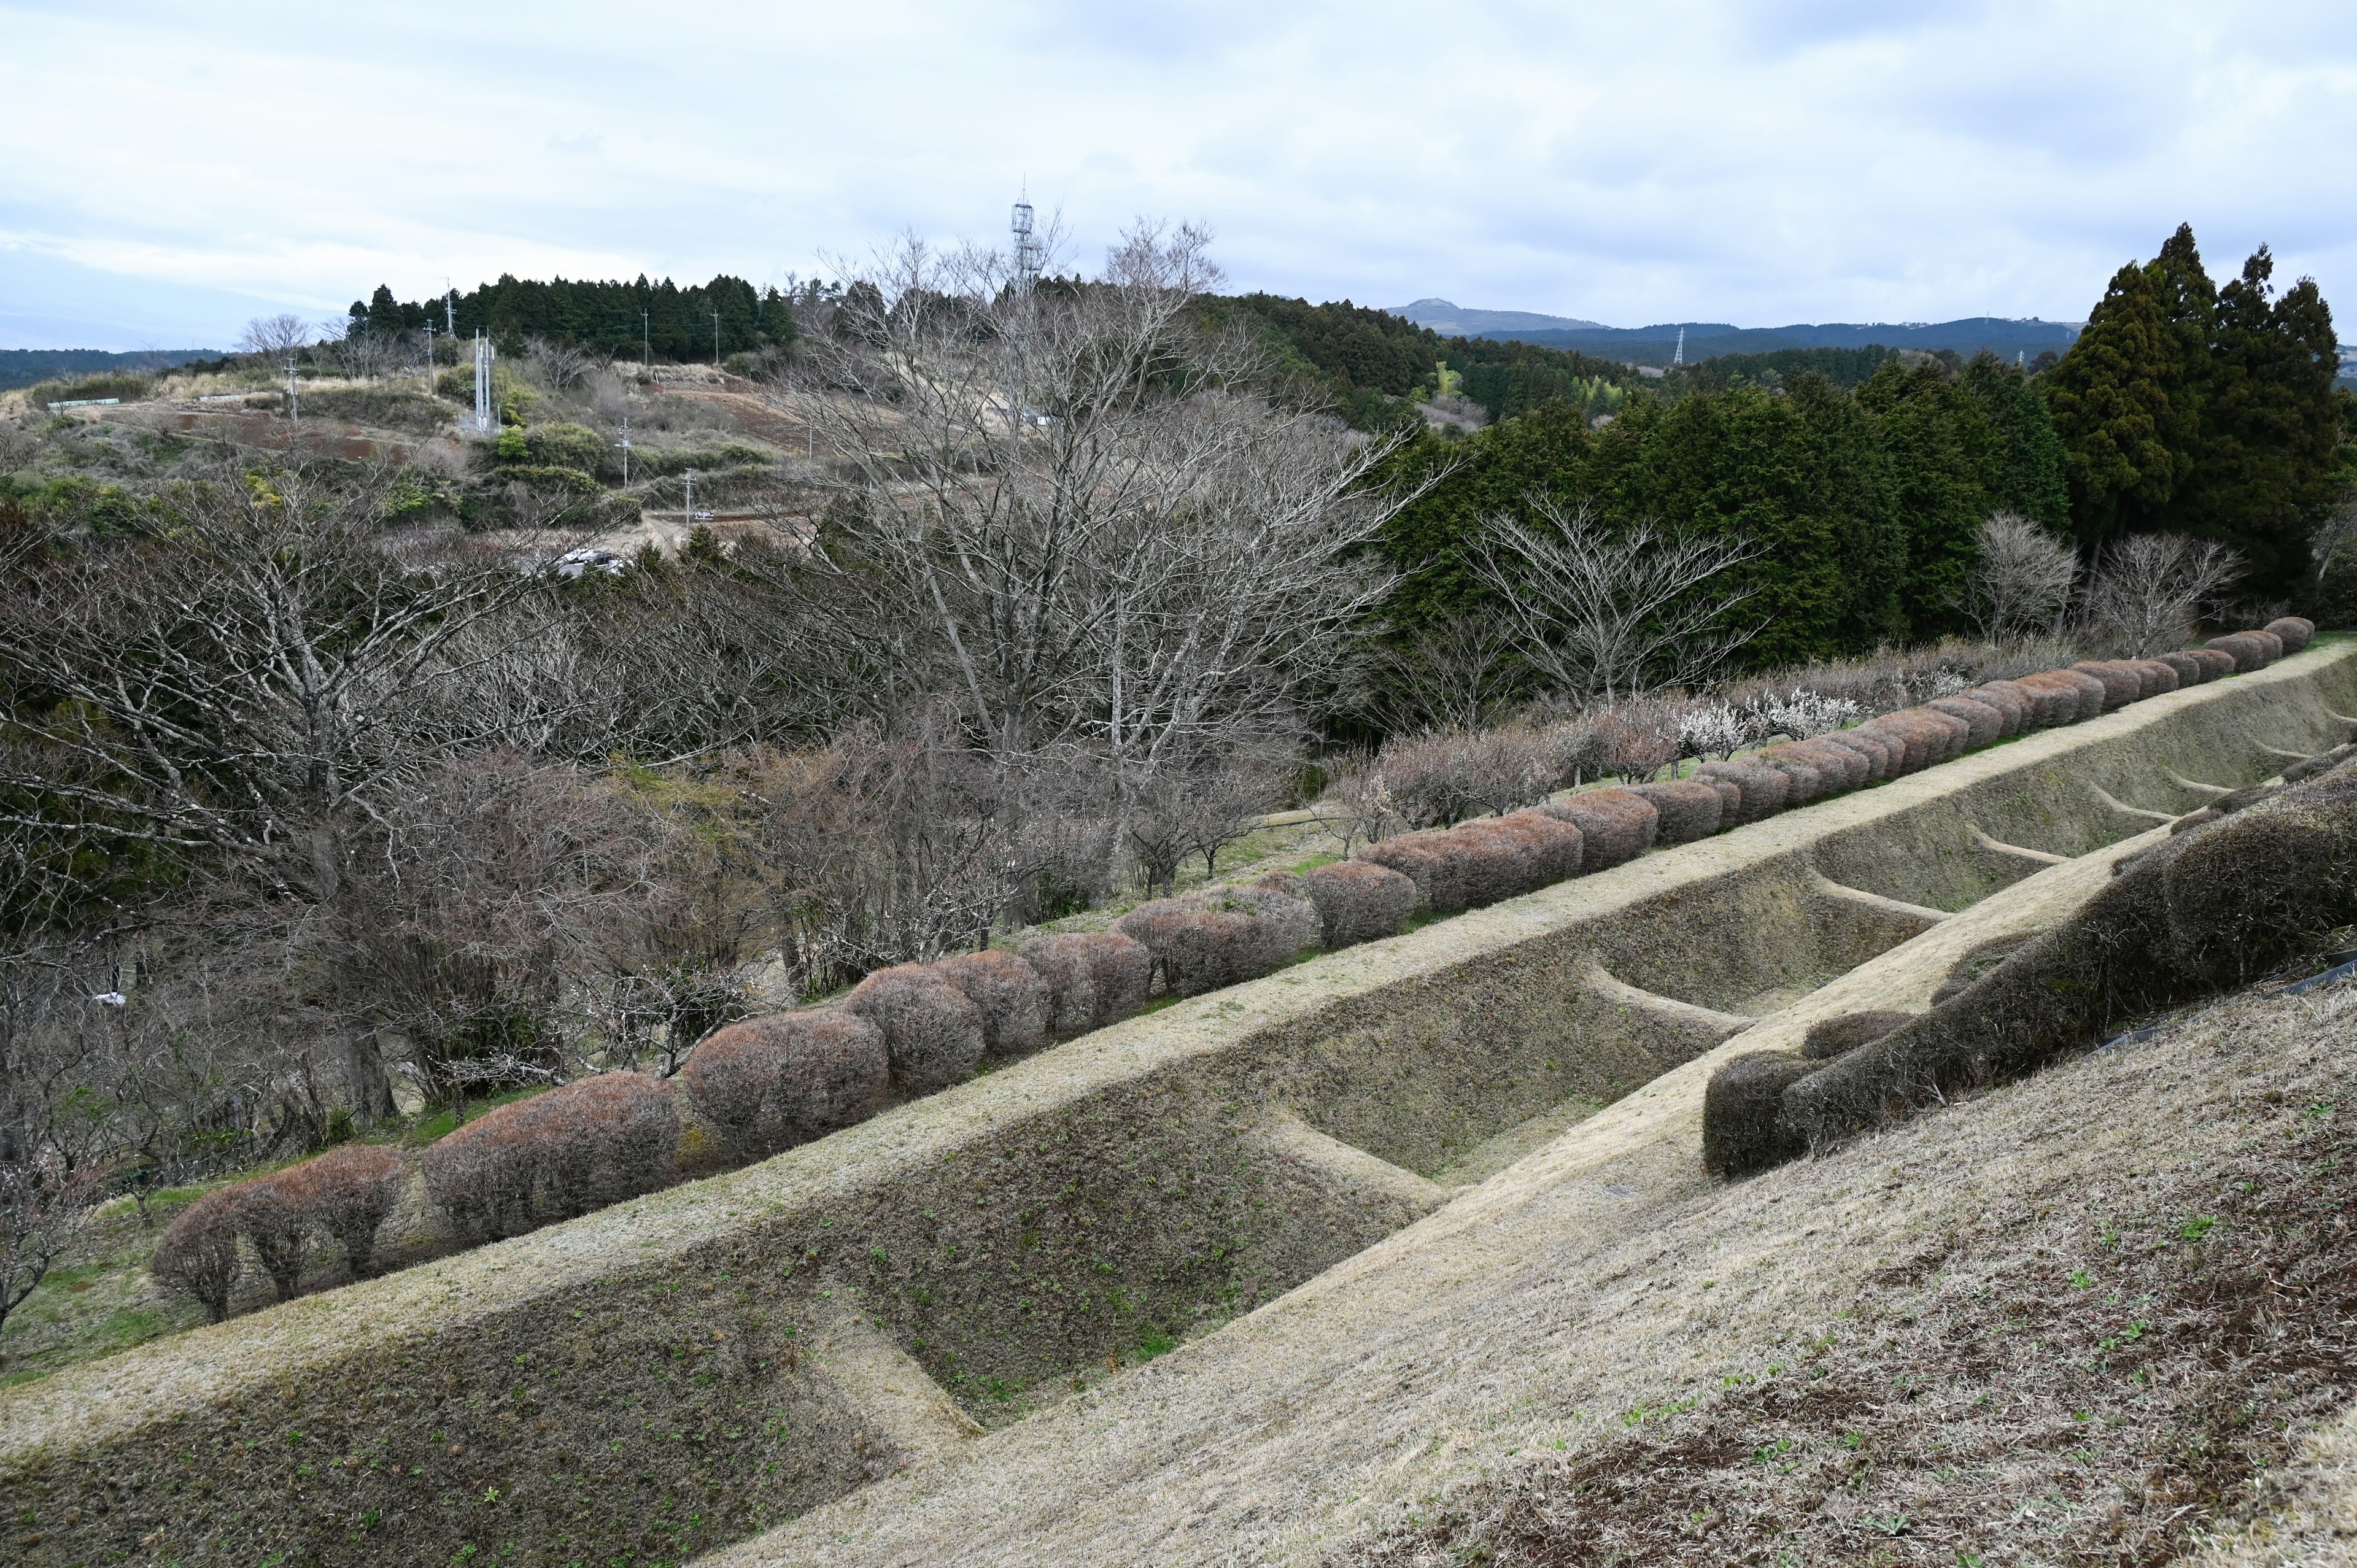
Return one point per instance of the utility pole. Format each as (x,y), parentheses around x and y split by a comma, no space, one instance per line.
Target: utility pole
(450,309)
(625,445)
(687,512)
(649,333)
(429,353)
(716,339)
(293,405)
(482,383)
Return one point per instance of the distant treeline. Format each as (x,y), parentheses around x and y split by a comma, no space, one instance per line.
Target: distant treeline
(25,367)
(1370,359)
(621,319)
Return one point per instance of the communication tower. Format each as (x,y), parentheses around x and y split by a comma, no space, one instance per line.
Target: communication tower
(1029,252)
(1678,358)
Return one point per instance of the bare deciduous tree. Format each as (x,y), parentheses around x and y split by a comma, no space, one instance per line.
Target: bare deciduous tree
(1457,672)
(2020,581)
(1104,537)
(2332,547)
(275,336)
(2148,590)
(561,365)
(1606,611)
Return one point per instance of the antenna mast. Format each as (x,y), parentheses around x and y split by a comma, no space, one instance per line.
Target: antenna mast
(1029,252)
(1678,358)
(482,383)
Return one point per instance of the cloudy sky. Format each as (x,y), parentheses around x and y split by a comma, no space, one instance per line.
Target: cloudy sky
(168,170)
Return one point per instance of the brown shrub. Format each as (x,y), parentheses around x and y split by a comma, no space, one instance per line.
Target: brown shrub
(2092,692)
(1007,993)
(1845,767)
(1829,1037)
(1881,759)
(271,1217)
(1288,923)
(1495,860)
(1744,1125)
(2206,910)
(2216,662)
(931,1033)
(1984,721)
(1359,901)
(1061,961)
(1198,949)
(1561,848)
(1689,810)
(2270,641)
(1418,858)
(2020,713)
(1955,733)
(1978,962)
(2189,669)
(774,1082)
(2160,676)
(2121,686)
(1928,737)
(600,1140)
(2295,632)
(1120,971)
(1730,796)
(197,1256)
(1763,788)
(2247,650)
(1803,781)
(349,1192)
(1615,826)
(481,1176)
(2054,698)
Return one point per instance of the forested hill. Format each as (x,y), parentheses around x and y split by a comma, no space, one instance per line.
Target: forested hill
(1708,340)
(1372,360)
(661,320)
(25,367)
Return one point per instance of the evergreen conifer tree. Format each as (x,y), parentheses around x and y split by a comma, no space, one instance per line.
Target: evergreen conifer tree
(2110,397)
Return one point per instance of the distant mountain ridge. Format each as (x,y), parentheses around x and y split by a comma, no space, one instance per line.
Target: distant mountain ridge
(24,367)
(1655,345)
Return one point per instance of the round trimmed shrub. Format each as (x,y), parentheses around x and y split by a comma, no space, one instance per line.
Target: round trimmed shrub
(774,1082)
(2160,676)
(601,1139)
(2247,650)
(1744,1128)
(1120,971)
(2295,632)
(1803,781)
(349,1192)
(1561,848)
(197,1256)
(481,1176)
(1007,993)
(2217,661)
(931,1033)
(1417,857)
(1830,1037)
(2121,687)
(1689,810)
(1764,788)
(2054,701)
(1495,860)
(1730,796)
(1060,959)
(1288,923)
(1359,901)
(272,1220)
(2013,706)
(1844,768)
(1615,826)
(1877,754)
(1984,721)
(2189,670)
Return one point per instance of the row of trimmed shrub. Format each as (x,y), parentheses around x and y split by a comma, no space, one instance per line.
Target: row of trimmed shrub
(2219,903)
(343,1196)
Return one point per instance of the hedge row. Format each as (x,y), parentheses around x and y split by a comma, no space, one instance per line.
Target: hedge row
(343,1196)
(2230,895)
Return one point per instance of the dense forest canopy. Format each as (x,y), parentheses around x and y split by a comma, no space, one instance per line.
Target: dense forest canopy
(620,319)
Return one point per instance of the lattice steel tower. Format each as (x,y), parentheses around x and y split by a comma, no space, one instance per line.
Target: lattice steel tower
(1029,251)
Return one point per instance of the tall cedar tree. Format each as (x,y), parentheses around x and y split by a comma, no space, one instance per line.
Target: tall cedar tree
(2205,411)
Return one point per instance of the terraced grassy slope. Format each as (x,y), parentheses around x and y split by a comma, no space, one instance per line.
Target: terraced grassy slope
(684,1370)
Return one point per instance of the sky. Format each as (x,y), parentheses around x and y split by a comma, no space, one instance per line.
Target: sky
(170,170)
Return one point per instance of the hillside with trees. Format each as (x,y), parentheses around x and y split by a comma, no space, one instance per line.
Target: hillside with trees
(362,767)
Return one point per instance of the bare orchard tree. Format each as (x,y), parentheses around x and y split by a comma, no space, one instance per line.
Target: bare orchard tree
(559,364)
(364,355)
(260,668)
(2148,589)
(2020,581)
(1606,610)
(2332,547)
(1108,537)
(275,336)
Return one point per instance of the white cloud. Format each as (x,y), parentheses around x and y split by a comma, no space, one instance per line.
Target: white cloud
(1755,162)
